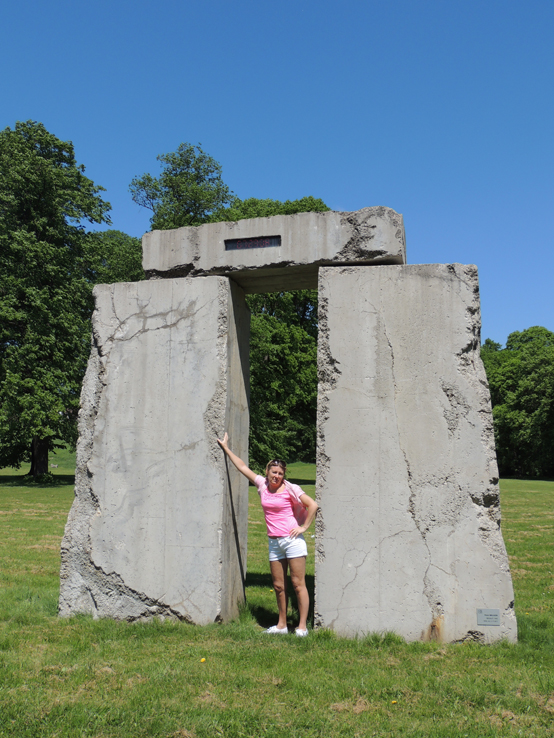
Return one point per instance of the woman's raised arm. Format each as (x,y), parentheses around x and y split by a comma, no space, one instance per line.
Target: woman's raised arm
(239,463)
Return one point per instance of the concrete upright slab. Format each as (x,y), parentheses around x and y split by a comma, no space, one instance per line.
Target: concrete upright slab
(158,527)
(409,535)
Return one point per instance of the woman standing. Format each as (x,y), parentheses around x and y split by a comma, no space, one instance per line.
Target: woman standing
(287,547)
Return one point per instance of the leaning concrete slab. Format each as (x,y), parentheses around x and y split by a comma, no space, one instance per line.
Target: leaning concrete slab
(158,527)
(278,253)
(409,536)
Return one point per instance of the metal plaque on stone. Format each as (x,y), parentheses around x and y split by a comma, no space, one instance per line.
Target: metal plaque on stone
(488,616)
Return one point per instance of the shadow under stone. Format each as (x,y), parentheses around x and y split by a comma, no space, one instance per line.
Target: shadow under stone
(57,480)
(266,617)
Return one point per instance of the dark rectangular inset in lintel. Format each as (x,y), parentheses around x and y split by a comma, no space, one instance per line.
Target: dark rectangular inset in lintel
(263,242)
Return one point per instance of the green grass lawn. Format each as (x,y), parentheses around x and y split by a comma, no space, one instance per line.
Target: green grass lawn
(81,677)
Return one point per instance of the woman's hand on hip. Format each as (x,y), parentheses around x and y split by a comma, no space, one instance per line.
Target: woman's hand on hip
(295,532)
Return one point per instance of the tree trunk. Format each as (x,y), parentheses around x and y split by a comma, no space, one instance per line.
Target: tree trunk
(39,456)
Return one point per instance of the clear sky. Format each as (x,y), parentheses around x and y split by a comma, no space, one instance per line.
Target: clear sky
(440,109)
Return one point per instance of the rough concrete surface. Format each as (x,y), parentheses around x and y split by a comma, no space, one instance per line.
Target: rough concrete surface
(368,236)
(408,538)
(157,526)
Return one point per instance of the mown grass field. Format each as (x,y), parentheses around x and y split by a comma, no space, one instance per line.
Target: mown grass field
(81,677)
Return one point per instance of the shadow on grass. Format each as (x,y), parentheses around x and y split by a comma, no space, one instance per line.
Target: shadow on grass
(266,617)
(58,480)
(300,482)
(258,580)
(526,479)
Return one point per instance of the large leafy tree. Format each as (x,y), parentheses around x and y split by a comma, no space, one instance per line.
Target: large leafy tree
(45,291)
(188,190)
(283,344)
(521,380)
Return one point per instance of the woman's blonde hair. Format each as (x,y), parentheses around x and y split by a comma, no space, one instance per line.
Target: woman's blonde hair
(276,462)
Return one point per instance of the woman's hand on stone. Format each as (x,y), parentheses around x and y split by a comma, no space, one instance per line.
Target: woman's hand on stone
(224,443)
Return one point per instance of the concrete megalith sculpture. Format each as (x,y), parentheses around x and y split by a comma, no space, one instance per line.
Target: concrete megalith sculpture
(157,527)
(159,523)
(408,538)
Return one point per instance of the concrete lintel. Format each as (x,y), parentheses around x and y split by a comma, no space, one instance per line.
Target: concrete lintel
(307,240)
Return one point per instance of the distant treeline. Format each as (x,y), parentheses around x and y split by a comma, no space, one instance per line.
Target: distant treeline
(49,264)
(521,380)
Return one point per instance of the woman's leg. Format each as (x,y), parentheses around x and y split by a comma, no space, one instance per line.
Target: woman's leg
(279,577)
(298,579)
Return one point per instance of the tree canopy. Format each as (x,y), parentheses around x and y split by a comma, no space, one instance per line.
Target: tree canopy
(45,296)
(48,267)
(113,256)
(283,391)
(252,207)
(188,190)
(521,380)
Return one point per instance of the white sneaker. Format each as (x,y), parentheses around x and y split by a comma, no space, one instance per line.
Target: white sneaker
(301,633)
(274,629)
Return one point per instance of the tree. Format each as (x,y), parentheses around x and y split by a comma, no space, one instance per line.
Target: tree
(45,292)
(186,193)
(113,256)
(521,380)
(255,208)
(283,391)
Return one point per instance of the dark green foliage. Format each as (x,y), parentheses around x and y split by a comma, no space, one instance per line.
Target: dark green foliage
(48,266)
(283,379)
(298,308)
(45,297)
(188,190)
(113,256)
(254,208)
(521,379)
(283,393)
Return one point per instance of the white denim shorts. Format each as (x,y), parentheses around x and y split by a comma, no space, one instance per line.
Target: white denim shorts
(287,548)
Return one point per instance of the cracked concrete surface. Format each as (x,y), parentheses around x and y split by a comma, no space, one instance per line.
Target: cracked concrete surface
(150,530)
(409,538)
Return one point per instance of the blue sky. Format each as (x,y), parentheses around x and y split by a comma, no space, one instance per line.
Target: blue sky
(440,109)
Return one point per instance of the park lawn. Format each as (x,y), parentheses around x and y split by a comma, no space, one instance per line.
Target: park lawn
(80,677)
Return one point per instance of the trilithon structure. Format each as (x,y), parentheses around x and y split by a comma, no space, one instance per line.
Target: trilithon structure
(408,535)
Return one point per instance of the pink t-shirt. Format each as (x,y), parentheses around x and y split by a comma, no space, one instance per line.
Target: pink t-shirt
(277,507)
